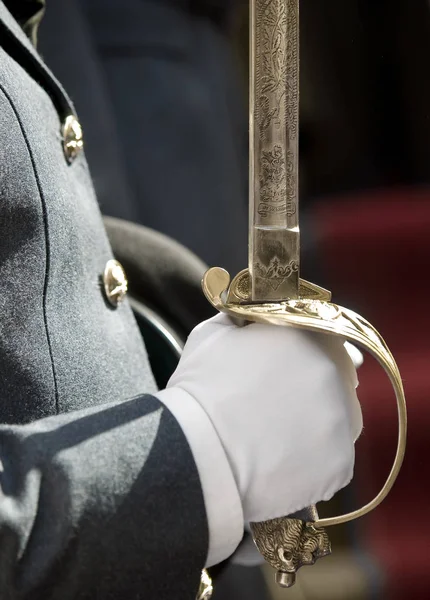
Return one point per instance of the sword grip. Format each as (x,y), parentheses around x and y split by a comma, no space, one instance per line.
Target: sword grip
(306,515)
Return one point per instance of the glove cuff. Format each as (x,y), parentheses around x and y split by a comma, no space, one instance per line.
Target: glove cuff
(222,501)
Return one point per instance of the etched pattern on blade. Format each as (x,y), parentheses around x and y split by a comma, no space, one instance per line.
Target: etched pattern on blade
(274,149)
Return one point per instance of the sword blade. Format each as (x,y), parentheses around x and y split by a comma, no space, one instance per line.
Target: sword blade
(274,255)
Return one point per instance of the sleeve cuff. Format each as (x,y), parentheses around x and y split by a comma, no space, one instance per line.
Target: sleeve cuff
(222,500)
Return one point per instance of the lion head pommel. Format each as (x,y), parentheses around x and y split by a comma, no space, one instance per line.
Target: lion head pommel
(288,544)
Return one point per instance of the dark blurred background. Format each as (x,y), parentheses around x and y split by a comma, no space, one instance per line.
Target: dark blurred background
(161,90)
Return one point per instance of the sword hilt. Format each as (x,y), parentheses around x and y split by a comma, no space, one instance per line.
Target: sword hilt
(291,542)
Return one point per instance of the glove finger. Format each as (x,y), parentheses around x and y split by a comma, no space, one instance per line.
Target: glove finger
(205,329)
(204,333)
(356,417)
(355,354)
(348,371)
(334,346)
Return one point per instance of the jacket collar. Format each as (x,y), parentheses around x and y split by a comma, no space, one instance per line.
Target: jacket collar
(28,13)
(16,43)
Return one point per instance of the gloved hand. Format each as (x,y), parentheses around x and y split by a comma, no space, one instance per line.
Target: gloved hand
(283,404)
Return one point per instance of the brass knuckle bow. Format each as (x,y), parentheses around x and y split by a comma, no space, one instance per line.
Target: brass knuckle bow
(288,544)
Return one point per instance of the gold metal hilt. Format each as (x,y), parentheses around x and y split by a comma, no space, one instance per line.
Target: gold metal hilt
(294,542)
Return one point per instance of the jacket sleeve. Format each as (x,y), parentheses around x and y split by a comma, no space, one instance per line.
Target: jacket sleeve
(100,503)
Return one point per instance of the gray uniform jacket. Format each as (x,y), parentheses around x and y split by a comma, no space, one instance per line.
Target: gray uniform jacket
(94,503)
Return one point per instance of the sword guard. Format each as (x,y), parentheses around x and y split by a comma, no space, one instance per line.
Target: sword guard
(312,311)
(239,291)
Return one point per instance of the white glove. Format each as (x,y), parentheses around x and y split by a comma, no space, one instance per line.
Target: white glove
(283,405)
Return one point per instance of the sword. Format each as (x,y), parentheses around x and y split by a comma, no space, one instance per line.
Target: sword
(270,290)
(274,248)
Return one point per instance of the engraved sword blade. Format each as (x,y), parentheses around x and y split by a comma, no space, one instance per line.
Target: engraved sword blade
(273,153)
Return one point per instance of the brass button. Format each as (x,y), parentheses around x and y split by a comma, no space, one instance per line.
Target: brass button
(115,282)
(72,138)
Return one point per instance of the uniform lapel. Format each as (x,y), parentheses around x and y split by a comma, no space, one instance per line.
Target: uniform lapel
(16,43)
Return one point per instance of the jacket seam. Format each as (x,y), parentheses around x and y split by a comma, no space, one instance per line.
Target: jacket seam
(47,243)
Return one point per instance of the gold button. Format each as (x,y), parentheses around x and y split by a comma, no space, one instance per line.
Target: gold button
(115,282)
(72,138)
